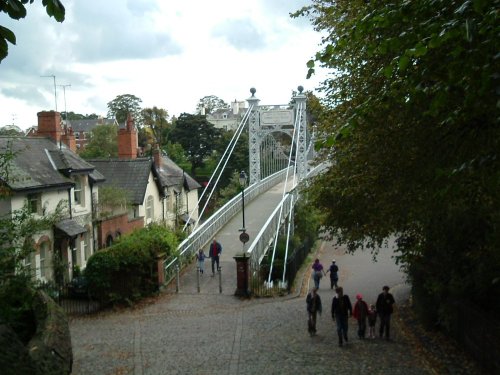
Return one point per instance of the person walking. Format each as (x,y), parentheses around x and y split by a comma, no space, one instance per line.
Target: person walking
(360,313)
(200,257)
(313,302)
(341,309)
(334,274)
(372,320)
(214,254)
(385,302)
(317,272)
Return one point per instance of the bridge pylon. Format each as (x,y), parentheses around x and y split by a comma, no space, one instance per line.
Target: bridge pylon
(289,119)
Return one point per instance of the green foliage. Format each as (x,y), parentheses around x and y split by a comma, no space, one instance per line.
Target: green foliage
(177,154)
(120,107)
(112,200)
(18,228)
(11,130)
(15,9)
(127,270)
(211,103)
(77,116)
(156,120)
(412,134)
(103,143)
(197,137)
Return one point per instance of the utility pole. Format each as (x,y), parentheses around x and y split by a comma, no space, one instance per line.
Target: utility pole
(55,90)
(64,94)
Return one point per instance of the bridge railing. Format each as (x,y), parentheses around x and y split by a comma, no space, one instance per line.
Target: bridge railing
(266,235)
(206,231)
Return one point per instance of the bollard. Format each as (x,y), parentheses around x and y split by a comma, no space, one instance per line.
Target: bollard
(177,278)
(198,278)
(220,279)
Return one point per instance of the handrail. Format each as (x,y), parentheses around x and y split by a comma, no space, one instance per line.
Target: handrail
(265,237)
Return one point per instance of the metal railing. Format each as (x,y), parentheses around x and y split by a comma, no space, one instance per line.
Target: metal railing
(206,231)
(266,235)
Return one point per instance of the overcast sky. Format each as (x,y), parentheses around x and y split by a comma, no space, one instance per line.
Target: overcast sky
(168,53)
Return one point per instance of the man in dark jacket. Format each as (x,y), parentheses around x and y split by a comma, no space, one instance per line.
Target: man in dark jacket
(214,254)
(341,310)
(385,301)
(314,307)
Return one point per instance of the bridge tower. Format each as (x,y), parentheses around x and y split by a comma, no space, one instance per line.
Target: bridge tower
(265,120)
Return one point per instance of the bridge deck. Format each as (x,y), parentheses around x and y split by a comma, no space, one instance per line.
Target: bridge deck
(256,214)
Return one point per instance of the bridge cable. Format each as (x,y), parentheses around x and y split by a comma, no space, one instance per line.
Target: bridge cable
(232,142)
(298,121)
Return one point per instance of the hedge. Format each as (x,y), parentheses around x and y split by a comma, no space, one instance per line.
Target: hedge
(127,270)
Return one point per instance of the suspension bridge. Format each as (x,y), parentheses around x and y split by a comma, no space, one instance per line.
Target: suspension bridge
(280,149)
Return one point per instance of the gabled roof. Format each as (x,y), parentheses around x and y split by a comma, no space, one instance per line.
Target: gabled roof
(131,175)
(171,175)
(87,125)
(40,164)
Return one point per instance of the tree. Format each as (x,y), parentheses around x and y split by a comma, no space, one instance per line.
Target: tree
(103,143)
(78,116)
(211,103)
(18,227)
(156,120)
(16,10)
(11,130)
(412,132)
(122,105)
(197,136)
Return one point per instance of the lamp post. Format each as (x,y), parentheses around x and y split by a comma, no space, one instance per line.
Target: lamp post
(243,184)
(242,260)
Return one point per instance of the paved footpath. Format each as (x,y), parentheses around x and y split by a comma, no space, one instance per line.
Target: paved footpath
(212,333)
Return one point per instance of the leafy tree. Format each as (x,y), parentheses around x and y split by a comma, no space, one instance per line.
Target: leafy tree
(177,154)
(103,143)
(156,120)
(412,128)
(15,9)
(122,105)
(196,136)
(211,103)
(238,160)
(78,116)
(18,227)
(11,130)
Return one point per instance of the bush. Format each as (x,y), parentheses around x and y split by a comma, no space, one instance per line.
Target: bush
(127,270)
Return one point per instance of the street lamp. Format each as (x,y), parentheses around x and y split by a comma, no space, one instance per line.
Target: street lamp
(243,184)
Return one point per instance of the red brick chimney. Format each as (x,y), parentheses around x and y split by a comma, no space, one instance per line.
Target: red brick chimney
(157,156)
(127,140)
(68,138)
(49,125)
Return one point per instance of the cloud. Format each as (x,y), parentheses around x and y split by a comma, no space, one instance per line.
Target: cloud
(241,34)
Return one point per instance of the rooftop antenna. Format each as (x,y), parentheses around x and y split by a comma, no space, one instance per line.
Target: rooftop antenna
(64,94)
(55,90)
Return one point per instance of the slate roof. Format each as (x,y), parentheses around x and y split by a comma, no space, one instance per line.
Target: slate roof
(40,164)
(171,175)
(130,175)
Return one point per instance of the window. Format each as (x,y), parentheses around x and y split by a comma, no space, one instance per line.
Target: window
(30,264)
(45,270)
(35,203)
(86,245)
(78,191)
(149,208)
